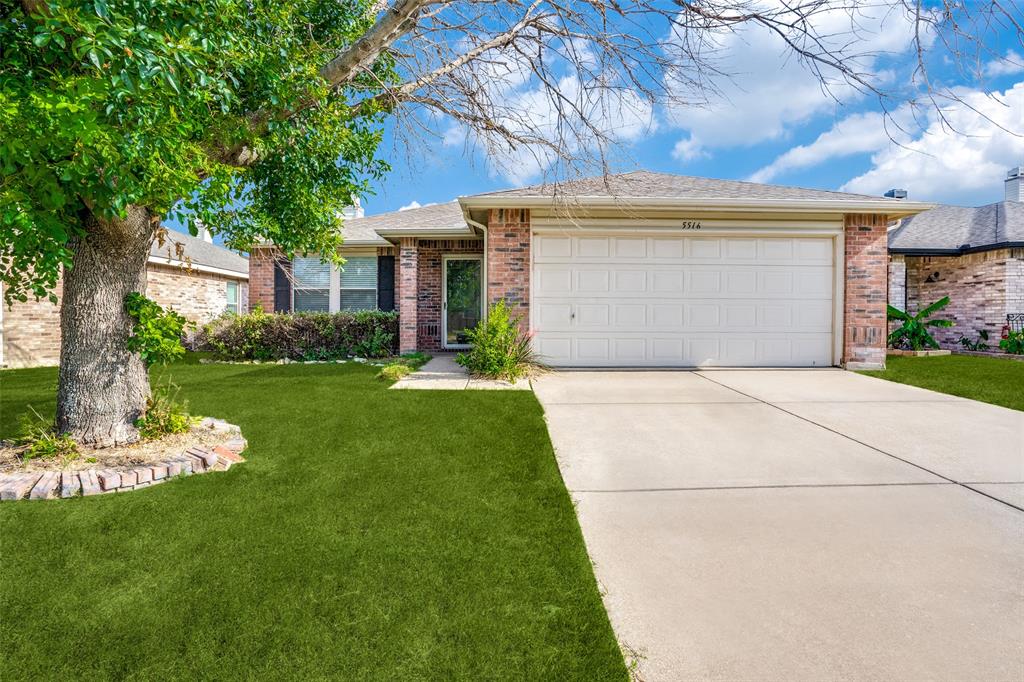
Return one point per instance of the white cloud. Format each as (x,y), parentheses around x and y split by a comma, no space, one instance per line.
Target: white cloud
(770,90)
(857,134)
(961,159)
(688,149)
(1010,64)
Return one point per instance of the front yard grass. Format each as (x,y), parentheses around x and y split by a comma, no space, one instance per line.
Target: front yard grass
(372,534)
(991,380)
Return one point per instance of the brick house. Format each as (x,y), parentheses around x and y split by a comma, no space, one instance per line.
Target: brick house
(200,280)
(634,270)
(973,255)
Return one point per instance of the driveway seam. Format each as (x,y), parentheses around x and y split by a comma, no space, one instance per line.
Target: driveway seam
(770,486)
(867,445)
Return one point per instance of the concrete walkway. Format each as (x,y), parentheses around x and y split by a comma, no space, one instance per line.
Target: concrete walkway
(444,374)
(797,525)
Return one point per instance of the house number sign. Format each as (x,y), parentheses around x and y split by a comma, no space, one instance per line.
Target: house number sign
(690,225)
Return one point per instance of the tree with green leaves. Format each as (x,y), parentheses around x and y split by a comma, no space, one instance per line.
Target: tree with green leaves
(262,120)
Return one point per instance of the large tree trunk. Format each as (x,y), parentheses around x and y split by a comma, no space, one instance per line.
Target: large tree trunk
(103,386)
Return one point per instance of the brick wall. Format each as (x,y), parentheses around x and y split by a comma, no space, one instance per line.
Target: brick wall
(429,273)
(865,291)
(261,278)
(982,288)
(31,333)
(508,259)
(407,293)
(199,296)
(31,330)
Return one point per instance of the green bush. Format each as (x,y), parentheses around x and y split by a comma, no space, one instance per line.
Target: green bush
(394,372)
(42,439)
(156,334)
(913,334)
(1012,342)
(300,336)
(500,349)
(165,414)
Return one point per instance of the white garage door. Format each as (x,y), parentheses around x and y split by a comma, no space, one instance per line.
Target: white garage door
(630,301)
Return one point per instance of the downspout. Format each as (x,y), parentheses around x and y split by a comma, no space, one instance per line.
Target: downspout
(483,275)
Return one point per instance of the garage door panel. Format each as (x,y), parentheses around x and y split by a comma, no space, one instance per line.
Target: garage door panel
(684,301)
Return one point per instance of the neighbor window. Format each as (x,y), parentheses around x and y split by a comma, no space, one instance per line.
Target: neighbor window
(359,283)
(312,284)
(232,297)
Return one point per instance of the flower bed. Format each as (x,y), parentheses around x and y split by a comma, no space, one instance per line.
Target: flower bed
(216,450)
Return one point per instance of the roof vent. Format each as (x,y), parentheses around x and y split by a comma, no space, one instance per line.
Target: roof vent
(896,194)
(1014,184)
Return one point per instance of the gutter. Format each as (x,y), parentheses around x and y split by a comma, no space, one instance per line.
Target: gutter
(172,263)
(956,252)
(895,208)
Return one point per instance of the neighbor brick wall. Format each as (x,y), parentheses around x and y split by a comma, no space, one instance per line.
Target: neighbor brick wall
(261,278)
(407,293)
(31,330)
(199,296)
(982,287)
(429,272)
(508,259)
(866,291)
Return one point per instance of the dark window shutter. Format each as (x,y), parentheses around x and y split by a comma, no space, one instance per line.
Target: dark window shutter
(386,283)
(282,288)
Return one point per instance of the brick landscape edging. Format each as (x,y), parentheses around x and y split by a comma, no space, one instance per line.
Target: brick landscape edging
(48,485)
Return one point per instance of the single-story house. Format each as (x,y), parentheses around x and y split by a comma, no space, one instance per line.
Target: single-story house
(191,275)
(640,269)
(973,255)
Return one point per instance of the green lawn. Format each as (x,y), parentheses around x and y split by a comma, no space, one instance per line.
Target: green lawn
(992,380)
(373,534)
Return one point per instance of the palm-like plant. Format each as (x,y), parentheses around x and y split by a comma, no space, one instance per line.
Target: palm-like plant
(913,333)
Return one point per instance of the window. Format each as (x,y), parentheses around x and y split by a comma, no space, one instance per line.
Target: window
(312,285)
(359,283)
(232,292)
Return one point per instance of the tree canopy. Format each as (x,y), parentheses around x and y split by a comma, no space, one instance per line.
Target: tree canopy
(108,103)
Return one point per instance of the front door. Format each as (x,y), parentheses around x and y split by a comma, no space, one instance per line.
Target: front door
(462,299)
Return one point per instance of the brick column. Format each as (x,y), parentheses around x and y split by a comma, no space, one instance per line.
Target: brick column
(865,292)
(407,292)
(261,278)
(508,260)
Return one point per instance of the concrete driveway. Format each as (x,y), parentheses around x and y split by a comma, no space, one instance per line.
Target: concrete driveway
(786,524)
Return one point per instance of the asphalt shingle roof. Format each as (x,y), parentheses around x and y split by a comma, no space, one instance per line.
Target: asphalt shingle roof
(442,217)
(199,252)
(954,228)
(647,184)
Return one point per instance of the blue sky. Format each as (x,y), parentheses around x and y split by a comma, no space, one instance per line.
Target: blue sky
(773,124)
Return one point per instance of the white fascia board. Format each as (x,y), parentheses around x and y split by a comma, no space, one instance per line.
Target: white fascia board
(172,263)
(895,209)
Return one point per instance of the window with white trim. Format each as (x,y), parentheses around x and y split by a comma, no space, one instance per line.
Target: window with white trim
(312,284)
(232,296)
(359,283)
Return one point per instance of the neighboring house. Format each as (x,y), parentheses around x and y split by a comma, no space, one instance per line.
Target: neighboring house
(200,280)
(973,255)
(635,270)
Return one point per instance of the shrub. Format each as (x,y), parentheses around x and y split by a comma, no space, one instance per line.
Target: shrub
(156,334)
(913,334)
(165,414)
(979,344)
(1012,341)
(42,439)
(500,349)
(300,336)
(394,372)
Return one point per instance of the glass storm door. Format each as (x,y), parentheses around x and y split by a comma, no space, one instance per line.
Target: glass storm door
(463,300)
